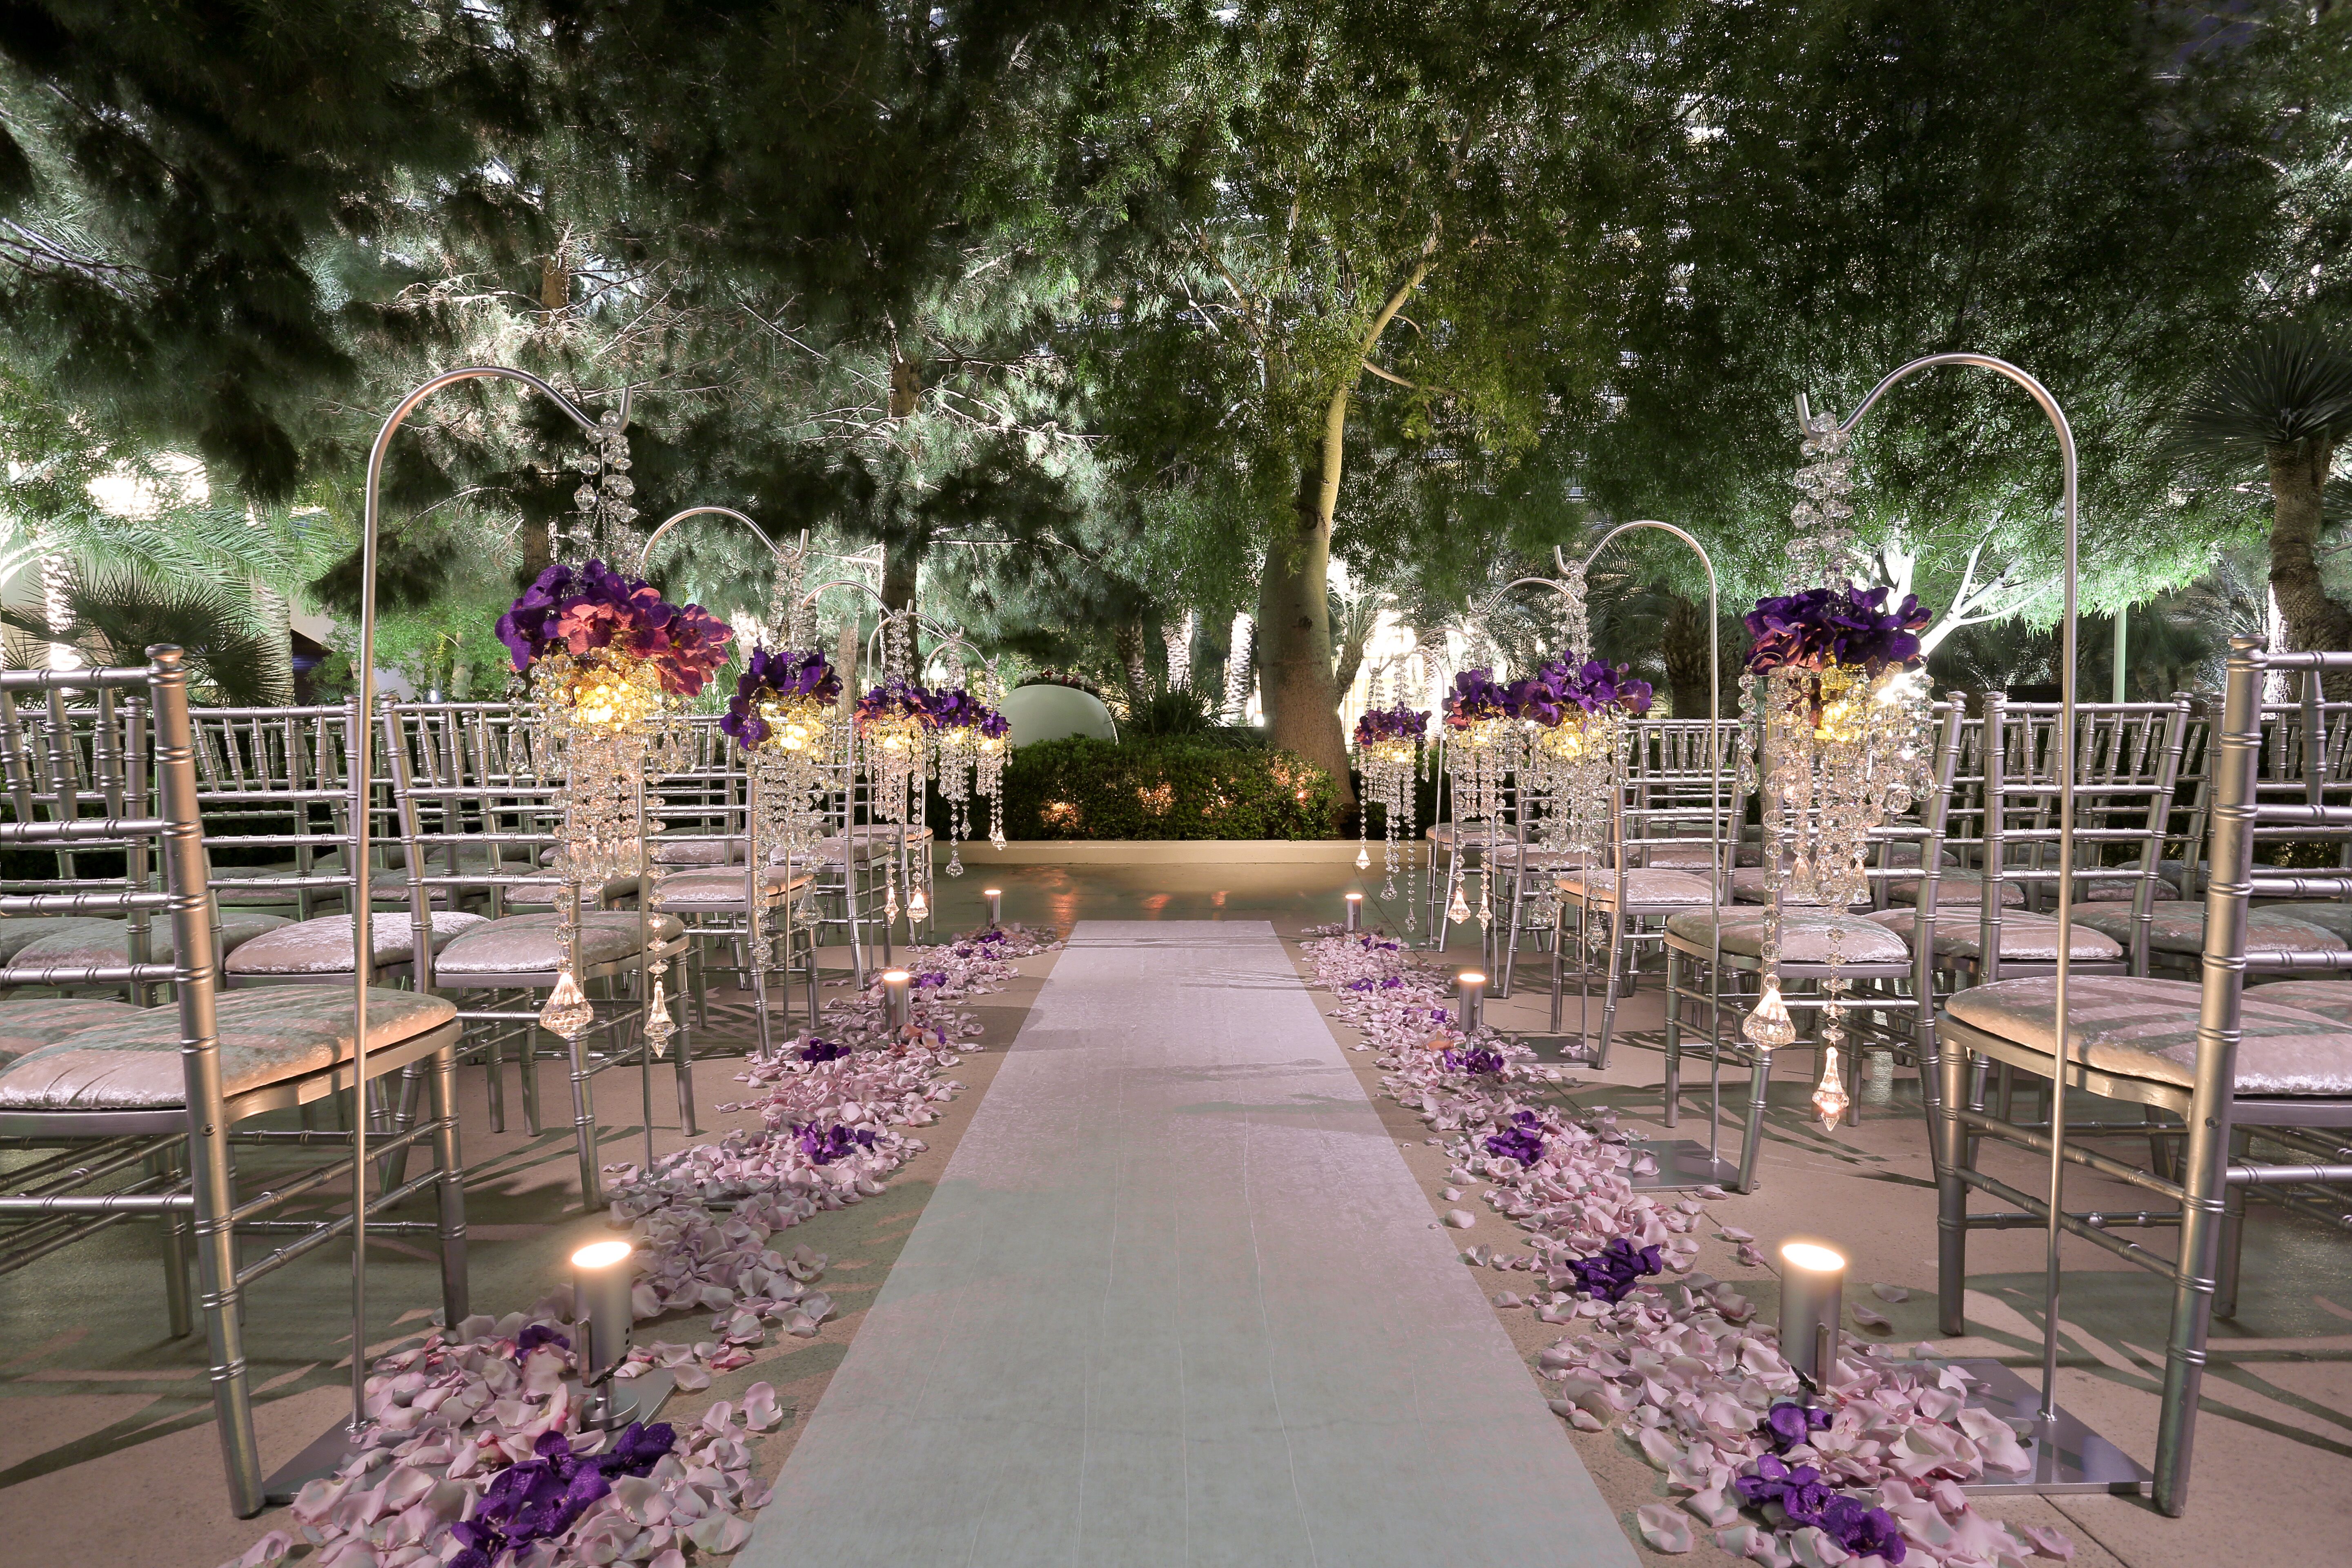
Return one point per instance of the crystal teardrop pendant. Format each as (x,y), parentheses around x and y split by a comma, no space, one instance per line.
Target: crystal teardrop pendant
(890,898)
(1363,859)
(1829,1096)
(659,1026)
(918,907)
(568,1011)
(1769,1025)
(1459,910)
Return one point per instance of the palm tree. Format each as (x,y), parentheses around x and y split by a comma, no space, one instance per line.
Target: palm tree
(2283,397)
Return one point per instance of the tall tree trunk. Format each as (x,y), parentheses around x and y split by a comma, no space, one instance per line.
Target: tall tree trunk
(2315,623)
(1683,639)
(902,565)
(1294,639)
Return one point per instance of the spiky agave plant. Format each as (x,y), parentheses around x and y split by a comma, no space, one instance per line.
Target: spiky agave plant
(2282,398)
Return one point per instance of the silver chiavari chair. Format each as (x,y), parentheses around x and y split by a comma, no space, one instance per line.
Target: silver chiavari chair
(479,809)
(149,1108)
(2254,1085)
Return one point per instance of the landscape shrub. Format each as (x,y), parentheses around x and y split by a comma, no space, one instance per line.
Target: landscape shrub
(1165,787)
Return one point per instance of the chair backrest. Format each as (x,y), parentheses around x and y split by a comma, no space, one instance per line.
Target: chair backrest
(2126,762)
(476,813)
(278,781)
(90,795)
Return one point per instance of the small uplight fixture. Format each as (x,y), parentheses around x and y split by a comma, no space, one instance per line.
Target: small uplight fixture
(899,998)
(1355,912)
(1469,1000)
(1812,1297)
(995,897)
(603,1275)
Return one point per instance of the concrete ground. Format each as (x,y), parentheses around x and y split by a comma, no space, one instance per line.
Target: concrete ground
(106,1453)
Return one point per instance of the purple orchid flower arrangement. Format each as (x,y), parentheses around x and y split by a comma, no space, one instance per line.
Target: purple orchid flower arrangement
(540,1499)
(1824,627)
(1803,1497)
(1477,696)
(1471,1058)
(1377,725)
(898,698)
(1559,688)
(958,709)
(777,675)
(1789,1423)
(590,608)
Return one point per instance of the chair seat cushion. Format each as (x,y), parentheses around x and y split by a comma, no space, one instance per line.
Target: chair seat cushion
(887,832)
(722,890)
(1748,886)
(528,945)
(101,943)
(2329,998)
(2181,928)
(266,1036)
(1684,854)
(1657,887)
(18,933)
(2147,1029)
(541,895)
(696,851)
(2337,918)
(27,1026)
(2118,889)
(1956,885)
(1445,835)
(323,946)
(1804,939)
(2024,938)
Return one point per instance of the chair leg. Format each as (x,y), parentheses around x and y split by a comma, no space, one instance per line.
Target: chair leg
(583,1124)
(178,1305)
(1759,1084)
(1673,1039)
(223,1307)
(1558,958)
(2233,1234)
(532,1122)
(495,1057)
(682,1066)
(450,1218)
(1954,1151)
(1609,1004)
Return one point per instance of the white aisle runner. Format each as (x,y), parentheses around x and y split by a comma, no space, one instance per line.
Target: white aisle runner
(1178,1300)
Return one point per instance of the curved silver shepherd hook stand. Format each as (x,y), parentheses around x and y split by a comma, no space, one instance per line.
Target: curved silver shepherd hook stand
(1715,872)
(363,785)
(2057,416)
(787,556)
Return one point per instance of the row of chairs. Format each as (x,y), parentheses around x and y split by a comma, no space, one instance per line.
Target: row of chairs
(1952,963)
(121,1108)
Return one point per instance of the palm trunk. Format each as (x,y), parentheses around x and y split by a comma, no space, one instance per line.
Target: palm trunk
(1128,638)
(1683,639)
(2315,623)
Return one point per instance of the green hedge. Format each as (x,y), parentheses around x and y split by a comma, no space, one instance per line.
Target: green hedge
(1164,786)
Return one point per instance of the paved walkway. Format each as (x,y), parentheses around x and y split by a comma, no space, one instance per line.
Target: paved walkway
(1178,1300)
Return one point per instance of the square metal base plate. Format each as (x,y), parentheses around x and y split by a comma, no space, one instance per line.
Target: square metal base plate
(2068,1457)
(1683,1165)
(639,1399)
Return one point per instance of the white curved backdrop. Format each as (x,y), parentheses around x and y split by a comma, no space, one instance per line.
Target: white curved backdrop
(1050,713)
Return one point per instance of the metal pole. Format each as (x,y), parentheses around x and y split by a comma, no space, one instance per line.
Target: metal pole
(362,821)
(2066,700)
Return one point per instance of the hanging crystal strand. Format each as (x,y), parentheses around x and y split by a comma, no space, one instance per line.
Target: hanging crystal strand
(1829,1096)
(659,1026)
(568,1012)
(1823,554)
